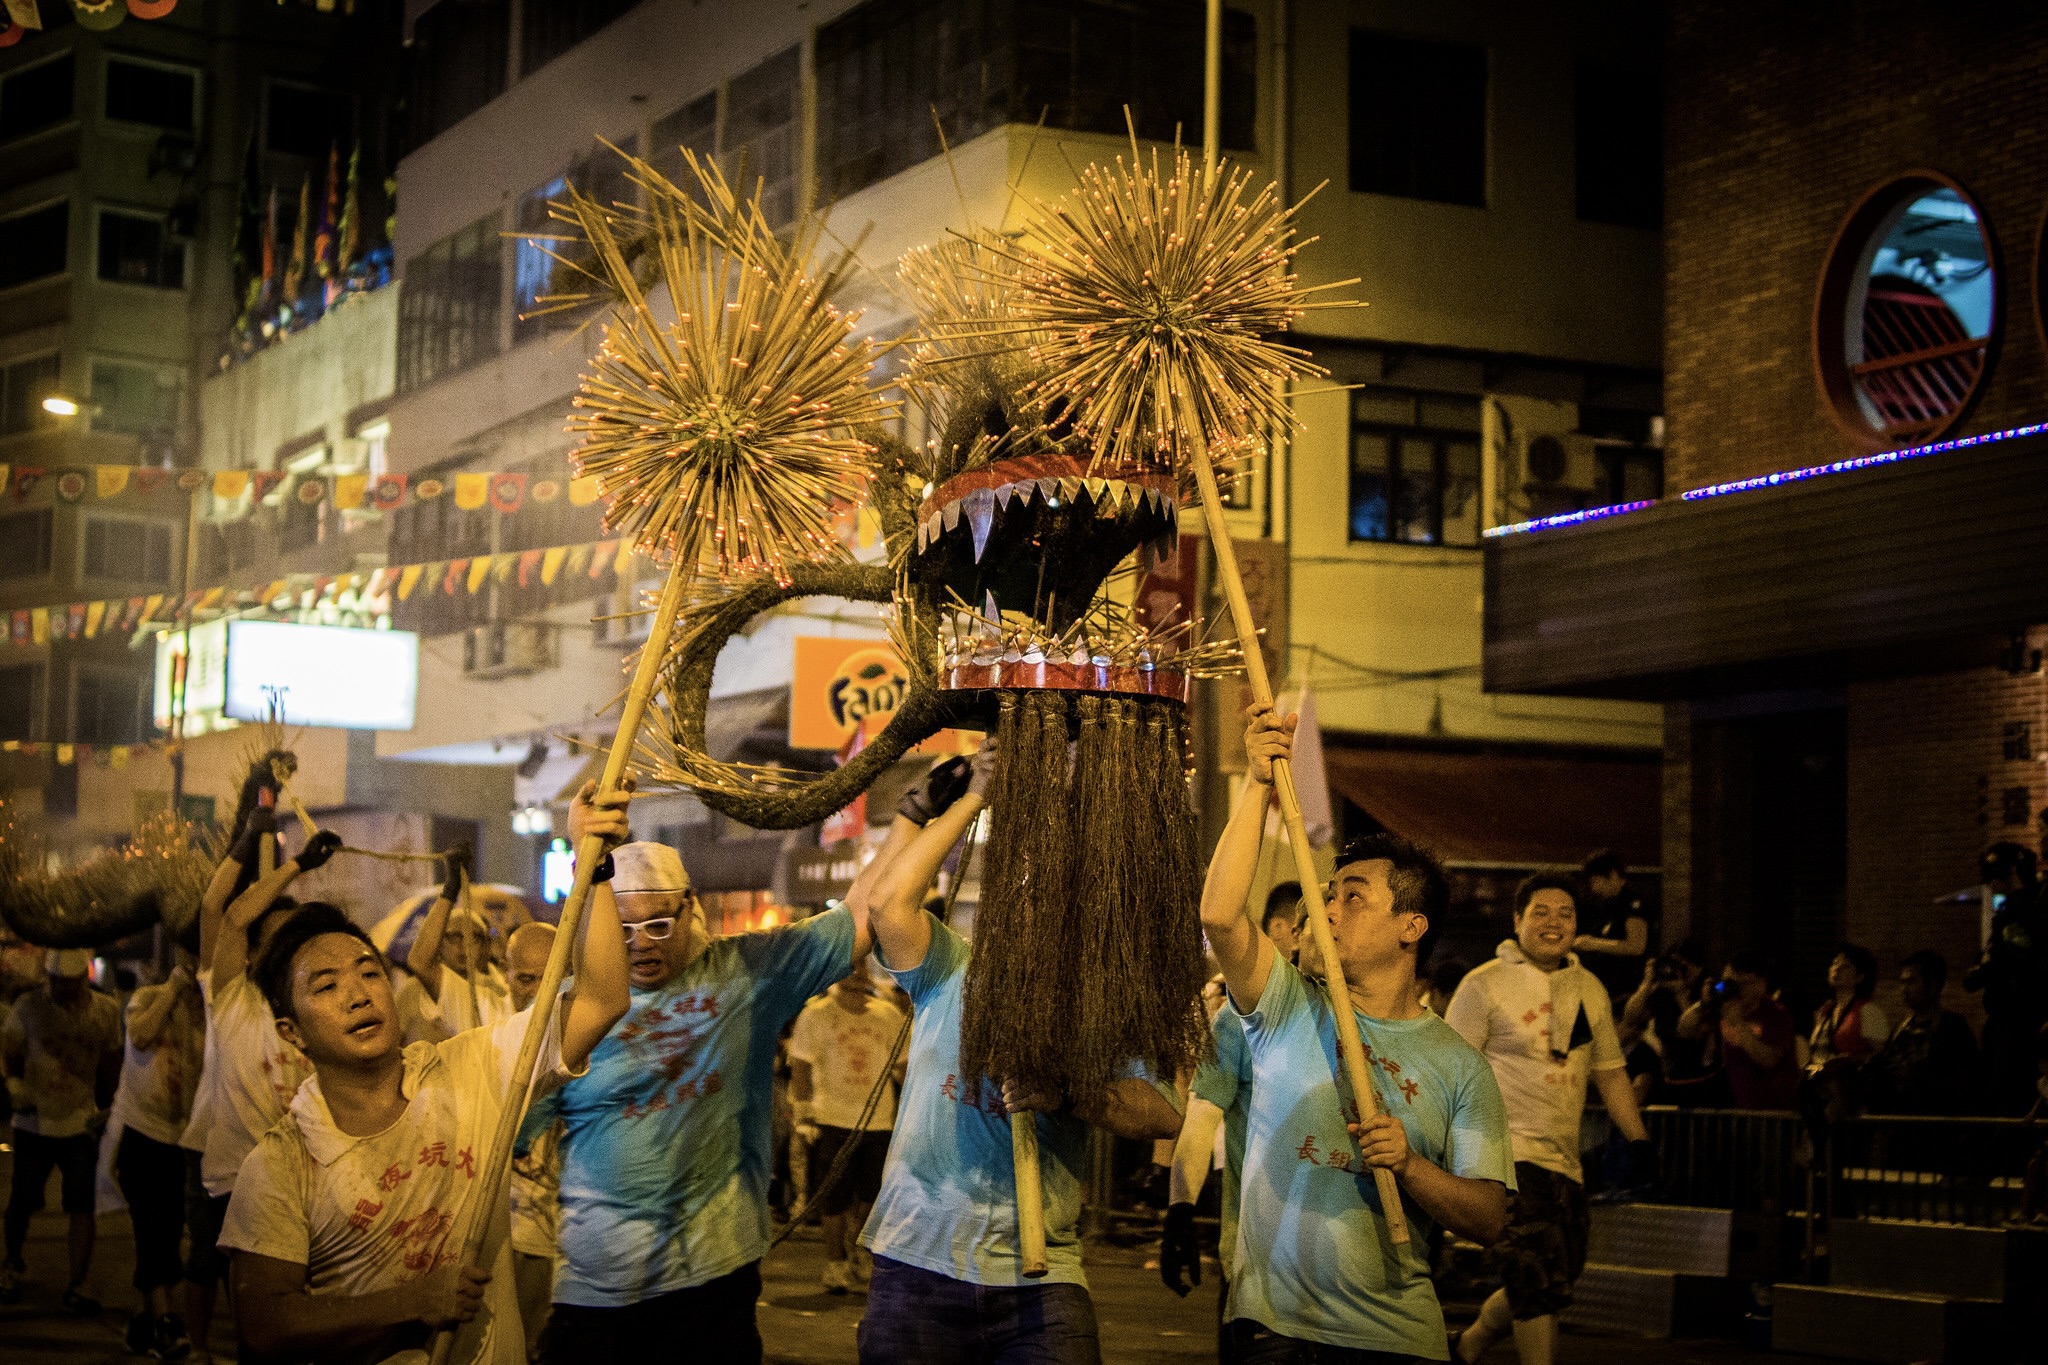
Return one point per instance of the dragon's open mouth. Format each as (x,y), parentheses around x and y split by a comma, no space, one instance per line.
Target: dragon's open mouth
(1040,532)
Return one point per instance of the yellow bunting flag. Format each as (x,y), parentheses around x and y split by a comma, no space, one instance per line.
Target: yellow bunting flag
(502,566)
(95,612)
(479,568)
(213,595)
(275,590)
(472,490)
(149,607)
(409,580)
(583,491)
(551,563)
(349,490)
(117,756)
(65,754)
(623,565)
(230,483)
(579,559)
(343,584)
(110,480)
(39,625)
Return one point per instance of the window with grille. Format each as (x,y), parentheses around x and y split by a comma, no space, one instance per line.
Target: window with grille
(25,544)
(450,308)
(150,93)
(34,244)
(1415,468)
(134,399)
(24,384)
(887,67)
(36,97)
(109,706)
(541,265)
(1907,311)
(1418,118)
(127,551)
(137,248)
(18,687)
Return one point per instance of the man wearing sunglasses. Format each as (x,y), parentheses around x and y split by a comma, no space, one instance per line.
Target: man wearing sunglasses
(666,1143)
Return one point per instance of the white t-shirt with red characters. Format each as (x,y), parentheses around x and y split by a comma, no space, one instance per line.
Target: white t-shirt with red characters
(250,1075)
(366,1214)
(848,1053)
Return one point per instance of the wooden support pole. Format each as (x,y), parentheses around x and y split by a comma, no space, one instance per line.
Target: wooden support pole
(1030,1196)
(1350,1047)
(490,1193)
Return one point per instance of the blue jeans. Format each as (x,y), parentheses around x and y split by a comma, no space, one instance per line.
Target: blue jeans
(920,1317)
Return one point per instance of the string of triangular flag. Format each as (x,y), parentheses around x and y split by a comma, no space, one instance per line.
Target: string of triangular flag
(236,492)
(370,592)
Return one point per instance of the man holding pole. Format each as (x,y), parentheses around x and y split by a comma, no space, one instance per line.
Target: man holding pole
(949,1285)
(1317,1266)
(347,1221)
(666,1141)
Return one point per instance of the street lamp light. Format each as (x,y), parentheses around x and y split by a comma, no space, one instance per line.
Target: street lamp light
(57,405)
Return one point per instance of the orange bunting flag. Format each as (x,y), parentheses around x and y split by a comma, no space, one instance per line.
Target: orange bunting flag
(602,559)
(229,484)
(456,569)
(528,561)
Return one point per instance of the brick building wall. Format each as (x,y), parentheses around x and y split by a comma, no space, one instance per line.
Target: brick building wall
(1779,118)
(1940,767)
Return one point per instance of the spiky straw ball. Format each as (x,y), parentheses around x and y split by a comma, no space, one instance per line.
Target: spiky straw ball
(720,430)
(1157,298)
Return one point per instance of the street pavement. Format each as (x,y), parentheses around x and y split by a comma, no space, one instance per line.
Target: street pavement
(1142,1324)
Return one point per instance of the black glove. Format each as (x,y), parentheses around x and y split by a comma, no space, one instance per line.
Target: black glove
(318,850)
(1642,1164)
(455,865)
(262,820)
(942,786)
(1178,1250)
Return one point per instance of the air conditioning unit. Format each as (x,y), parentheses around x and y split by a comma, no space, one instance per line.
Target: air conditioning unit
(508,649)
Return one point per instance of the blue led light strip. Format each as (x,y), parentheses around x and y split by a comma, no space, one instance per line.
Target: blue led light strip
(1773,480)
(1861,462)
(1570,518)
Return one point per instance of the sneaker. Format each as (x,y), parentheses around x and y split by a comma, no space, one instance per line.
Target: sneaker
(836,1278)
(170,1338)
(80,1305)
(141,1335)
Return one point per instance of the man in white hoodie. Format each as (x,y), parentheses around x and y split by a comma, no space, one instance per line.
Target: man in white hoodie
(1545,1025)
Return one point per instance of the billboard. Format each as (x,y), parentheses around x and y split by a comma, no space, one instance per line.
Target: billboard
(841,684)
(333,676)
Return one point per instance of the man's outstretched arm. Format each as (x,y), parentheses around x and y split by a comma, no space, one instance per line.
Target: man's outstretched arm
(1241,947)
(902,929)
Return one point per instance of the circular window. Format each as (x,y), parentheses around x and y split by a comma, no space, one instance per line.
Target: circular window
(1903,329)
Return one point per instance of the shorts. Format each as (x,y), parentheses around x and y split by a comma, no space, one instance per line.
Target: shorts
(204,1213)
(1544,1249)
(860,1182)
(920,1317)
(1254,1343)
(35,1156)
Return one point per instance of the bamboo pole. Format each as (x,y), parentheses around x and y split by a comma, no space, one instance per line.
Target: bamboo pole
(1350,1047)
(1033,1264)
(490,1194)
(284,789)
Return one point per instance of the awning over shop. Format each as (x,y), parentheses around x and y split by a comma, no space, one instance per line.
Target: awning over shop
(1506,809)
